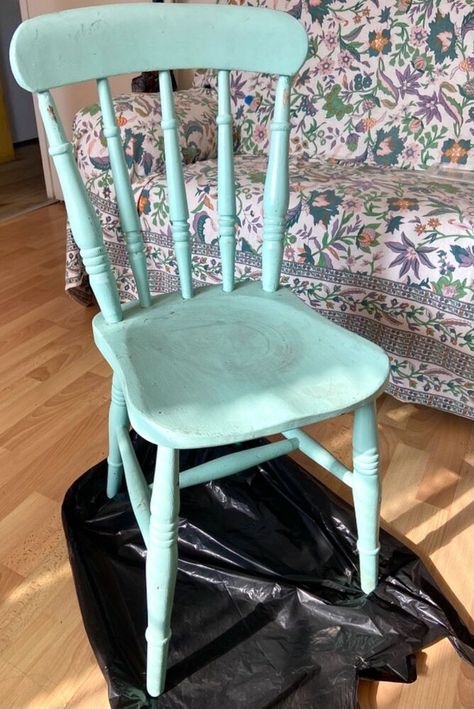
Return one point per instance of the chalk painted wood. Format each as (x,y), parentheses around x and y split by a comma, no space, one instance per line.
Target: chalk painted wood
(161,566)
(219,367)
(320,455)
(235,462)
(84,222)
(137,486)
(225,367)
(366,492)
(129,221)
(226,206)
(171,37)
(276,192)
(118,418)
(177,200)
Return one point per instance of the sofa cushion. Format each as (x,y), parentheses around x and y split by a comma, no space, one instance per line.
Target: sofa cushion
(386,253)
(139,117)
(425,87)
(413,229)
(387,80)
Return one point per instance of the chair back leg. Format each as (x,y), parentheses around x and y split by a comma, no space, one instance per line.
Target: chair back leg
(366,492)
(118,418)
(161,565)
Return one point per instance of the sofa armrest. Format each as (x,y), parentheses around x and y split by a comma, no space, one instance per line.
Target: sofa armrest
(139,117)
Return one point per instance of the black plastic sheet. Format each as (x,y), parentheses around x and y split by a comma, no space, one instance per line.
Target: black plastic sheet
(267,611)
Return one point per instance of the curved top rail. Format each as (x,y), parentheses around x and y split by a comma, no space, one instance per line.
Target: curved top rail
(89,43)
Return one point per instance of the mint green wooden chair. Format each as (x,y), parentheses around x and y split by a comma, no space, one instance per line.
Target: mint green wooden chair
(231,363)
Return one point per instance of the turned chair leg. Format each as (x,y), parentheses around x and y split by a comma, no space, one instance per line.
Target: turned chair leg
(366,492)
(118,418)
(161,565)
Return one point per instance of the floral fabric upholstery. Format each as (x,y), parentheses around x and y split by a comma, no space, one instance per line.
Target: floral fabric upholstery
(383,250)
(139,117)
(390,82)
(388,254)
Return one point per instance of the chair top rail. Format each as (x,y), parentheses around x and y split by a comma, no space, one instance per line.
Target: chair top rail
(92,42)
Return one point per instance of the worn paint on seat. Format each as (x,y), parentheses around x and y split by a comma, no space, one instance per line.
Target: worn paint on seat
(221,368)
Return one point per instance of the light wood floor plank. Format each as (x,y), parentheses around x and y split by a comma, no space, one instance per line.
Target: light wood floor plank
(22,181)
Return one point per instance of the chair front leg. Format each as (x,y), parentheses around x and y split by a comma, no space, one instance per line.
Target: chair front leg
(161,565)
(118,418)
(366,492)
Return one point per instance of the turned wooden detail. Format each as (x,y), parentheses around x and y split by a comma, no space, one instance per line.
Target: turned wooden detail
(178,204)
(96,260)
(276,192)
(129,220)
(84,222)
(226,206)
(161,564)
(366,493)
(367,463)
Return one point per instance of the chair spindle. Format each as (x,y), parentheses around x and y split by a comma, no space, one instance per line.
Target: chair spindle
(226,206)
(178,205)
(84,222)
(276,193)
(127,209)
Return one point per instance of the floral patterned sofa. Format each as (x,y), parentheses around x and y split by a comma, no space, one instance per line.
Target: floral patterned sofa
(381,221)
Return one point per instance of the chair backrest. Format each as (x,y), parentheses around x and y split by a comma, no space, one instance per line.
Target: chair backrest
(99,42)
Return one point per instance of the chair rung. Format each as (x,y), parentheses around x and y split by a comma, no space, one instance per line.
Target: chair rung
(138,490)
(235,462)
(320,455)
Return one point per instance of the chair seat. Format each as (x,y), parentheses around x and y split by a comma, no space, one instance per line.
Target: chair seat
(227,367)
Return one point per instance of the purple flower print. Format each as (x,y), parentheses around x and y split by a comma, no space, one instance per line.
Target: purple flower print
(408,81)
(410,256)
(331,40)
(238,84)
(307,106)
(325,66)
(345,60)
(428,108)
(352,141)
(412,153)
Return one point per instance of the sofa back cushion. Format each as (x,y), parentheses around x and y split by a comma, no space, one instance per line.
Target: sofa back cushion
(425,86)
(139,120)
(390,82)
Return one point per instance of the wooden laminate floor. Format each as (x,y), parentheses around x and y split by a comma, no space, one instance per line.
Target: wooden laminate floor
(22,185)
(53,411)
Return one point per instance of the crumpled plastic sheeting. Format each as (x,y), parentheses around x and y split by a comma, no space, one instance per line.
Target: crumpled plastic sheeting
(267,611)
